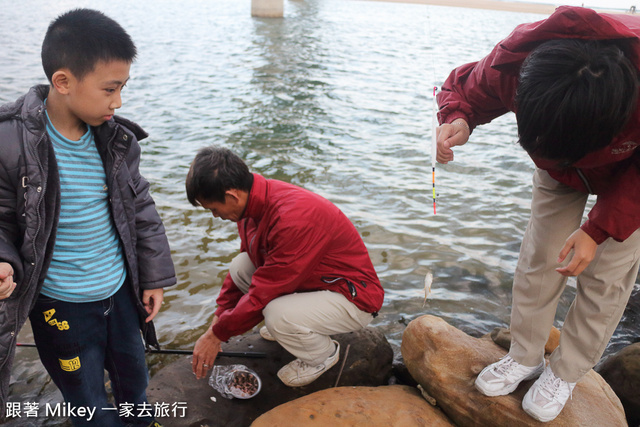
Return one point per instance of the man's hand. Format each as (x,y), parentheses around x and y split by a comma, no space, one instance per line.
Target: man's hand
(152,300)
(584,250)
(449,136)
(205,352)
(7,285)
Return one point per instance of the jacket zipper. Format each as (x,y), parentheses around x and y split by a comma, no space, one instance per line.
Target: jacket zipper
(116,167)
(585,181)
(14,336)
(113,170)
(246,238)
(251,242)
(42,188)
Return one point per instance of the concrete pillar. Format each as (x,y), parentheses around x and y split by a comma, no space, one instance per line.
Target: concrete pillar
(267,8)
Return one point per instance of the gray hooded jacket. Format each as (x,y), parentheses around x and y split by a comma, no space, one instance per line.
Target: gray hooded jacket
(30,208)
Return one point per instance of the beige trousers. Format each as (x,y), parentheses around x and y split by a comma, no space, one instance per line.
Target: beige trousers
(603,288)
(303,322)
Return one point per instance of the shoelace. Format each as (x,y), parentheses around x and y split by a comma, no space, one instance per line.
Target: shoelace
(505,367)
(299,365)
(303,365)
(551,389)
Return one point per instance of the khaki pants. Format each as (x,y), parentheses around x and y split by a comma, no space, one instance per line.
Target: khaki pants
(303,322)
(603,288)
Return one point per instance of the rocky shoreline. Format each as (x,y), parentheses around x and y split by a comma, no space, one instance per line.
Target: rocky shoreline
(430,382)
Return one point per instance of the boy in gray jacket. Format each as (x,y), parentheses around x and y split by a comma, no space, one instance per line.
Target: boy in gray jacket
(83,252)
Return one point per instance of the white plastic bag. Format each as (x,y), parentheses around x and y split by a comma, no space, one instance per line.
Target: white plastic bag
(235,381)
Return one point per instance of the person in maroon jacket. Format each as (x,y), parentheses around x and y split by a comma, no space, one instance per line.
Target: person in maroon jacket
(303,267)
(572,81)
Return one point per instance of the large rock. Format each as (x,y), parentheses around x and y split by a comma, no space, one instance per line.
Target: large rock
(445,361)
(502,337)
(367,364)
(394,405)
(622,373)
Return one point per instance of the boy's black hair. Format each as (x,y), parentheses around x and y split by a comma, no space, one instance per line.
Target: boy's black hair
(573,97)
(81,38)
(213,171)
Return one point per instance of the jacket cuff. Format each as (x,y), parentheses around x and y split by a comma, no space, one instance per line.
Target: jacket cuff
(220,333)
(595,232)
(163,283)
(15,262)
(458,115)
(219,311)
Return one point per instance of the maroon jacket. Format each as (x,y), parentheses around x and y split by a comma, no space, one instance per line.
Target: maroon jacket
(299,242)
(481,91)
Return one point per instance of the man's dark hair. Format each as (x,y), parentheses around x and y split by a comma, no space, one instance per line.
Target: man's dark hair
(81,38)
(573,97)
(213,171)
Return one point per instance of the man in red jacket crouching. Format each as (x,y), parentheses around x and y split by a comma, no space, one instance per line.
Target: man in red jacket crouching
(302,267)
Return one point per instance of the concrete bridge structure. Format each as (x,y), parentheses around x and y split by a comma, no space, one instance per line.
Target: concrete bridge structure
(267,8)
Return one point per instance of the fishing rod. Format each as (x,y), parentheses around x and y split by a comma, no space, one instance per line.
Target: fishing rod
(250,354)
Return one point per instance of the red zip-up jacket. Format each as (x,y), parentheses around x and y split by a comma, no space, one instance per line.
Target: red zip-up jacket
(481,91)
(299,242)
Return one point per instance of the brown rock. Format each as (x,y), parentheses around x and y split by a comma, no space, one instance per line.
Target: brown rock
(553,341)
(502,337)
(395,405)
(445,361)
(622,373)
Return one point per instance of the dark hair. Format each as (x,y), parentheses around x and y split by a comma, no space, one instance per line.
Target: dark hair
(81,38)
(573,97)
(213,171)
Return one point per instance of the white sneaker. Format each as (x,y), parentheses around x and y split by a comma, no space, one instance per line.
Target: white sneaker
(298,373)
(264,333)
(547,396)
(504,376)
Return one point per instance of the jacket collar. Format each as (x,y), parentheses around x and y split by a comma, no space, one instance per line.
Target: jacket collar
(257,200)
(31,109)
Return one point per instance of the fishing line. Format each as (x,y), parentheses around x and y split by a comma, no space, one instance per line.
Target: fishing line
(428,279)
(434,145)
(434,111)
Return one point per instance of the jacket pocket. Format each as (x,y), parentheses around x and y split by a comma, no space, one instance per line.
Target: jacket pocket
(132,187)
(350,285)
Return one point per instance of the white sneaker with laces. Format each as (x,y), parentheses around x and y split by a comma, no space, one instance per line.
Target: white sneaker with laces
(298,373)
(547,396)
(265,334)
(504,376)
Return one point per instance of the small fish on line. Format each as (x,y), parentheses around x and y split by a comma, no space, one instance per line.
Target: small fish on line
(428,280)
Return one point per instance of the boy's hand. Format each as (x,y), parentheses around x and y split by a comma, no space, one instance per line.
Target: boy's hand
(152,300)
(584,250)
(7,285)
(449,136)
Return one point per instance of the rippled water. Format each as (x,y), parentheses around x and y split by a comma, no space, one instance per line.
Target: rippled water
(335,97)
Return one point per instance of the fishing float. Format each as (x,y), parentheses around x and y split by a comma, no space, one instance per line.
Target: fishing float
(434,145)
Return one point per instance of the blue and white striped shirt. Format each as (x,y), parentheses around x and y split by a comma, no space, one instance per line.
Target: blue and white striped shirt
(88,262)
